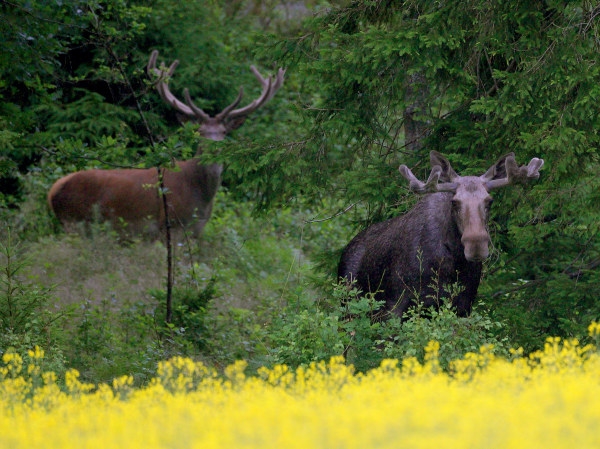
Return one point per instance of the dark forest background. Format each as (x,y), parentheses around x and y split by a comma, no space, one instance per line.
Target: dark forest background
(369,85)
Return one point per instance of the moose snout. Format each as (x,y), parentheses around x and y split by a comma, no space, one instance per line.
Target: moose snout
(476,246)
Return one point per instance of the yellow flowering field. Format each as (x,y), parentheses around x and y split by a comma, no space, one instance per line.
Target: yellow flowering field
(550,399)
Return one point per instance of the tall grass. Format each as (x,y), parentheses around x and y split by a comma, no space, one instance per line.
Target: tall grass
(246,268)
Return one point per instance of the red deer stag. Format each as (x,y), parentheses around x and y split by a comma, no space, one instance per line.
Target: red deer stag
(129,197)
(441,241)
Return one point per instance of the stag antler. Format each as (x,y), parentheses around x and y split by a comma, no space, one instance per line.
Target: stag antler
(163,77)
(270,86)
(514,173)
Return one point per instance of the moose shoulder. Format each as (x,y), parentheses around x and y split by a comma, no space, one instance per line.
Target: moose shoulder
(441,241)
(130,197)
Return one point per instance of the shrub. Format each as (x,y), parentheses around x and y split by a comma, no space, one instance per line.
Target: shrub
(456,335)
(188,329)
(26,317)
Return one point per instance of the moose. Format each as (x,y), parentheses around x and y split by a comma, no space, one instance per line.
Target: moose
(441,241)
(129,198)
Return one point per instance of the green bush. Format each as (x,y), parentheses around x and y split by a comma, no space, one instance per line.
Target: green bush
(188,329)
(109,340)
(27,318)
(456,335)
(309,331)
(311,334)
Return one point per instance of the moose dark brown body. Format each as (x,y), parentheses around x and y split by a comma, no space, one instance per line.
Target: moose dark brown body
(130,199)
(440,242)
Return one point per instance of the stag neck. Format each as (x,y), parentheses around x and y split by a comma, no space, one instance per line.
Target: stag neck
(194,165)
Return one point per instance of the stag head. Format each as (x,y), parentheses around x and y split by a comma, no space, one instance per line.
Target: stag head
(471,201)
(230,118)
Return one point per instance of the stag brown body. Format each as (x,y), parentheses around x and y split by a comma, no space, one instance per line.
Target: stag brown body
(441,241)
(129,198)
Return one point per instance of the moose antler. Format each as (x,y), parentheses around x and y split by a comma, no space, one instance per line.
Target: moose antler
(504,172)
(432,184)
(514,173)
(269,87)
(417,186)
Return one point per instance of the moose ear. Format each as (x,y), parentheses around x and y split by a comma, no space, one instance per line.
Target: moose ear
(498,170)
(448,174)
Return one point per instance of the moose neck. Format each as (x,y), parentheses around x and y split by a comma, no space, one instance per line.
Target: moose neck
(438,211)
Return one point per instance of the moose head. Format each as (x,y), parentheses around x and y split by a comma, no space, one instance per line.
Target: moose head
(471,201)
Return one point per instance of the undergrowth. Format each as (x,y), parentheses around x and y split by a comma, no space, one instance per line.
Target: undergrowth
(246,290)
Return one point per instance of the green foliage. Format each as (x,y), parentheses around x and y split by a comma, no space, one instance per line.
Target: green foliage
(457,336)
(305,333)
(308,331)
(31,45)
(26,317)
(188,329)
(362,324)
(109,341)
(481,79)
(236,333)
(87,119)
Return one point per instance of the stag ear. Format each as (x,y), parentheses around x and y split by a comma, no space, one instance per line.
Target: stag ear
(235,123)
(182,118)
(448,174)
(498,170)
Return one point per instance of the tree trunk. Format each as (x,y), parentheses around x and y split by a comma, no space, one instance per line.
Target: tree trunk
(416,126)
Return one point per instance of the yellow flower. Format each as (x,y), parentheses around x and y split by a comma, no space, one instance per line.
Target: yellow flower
(548,399)
(594,329)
